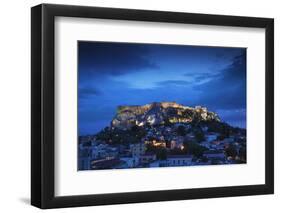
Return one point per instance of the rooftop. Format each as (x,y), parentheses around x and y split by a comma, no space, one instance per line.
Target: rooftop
(105,164)
(179,156)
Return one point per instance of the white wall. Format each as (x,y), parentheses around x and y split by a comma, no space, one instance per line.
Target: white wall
(15,104)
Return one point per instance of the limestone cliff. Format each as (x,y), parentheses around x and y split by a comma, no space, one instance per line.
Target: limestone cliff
(158,113)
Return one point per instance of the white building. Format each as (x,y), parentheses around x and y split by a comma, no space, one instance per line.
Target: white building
(179,160)
(216,154)
(137,149)
(84,160)
(131,161)
(177,142)
(211,137)
(154,164)
(147,158)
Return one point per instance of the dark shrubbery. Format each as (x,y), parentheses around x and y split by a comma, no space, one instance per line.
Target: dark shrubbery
(118,136)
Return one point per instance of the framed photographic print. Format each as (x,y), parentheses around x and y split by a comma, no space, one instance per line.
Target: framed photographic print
(139,106)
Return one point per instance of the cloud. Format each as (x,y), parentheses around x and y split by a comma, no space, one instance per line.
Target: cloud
(227,91)
(89,91)
(237,70)
(85,93)
(233,117)
(107,58)
(203,77)
(173,83)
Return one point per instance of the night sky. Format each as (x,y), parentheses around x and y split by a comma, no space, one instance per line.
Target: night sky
(112,74)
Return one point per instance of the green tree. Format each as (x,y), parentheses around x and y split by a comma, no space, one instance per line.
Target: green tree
(181,130)
(242,154)
(231,151)
(195,149)
(167,122)
(138,132)
(161,154)
(199,136)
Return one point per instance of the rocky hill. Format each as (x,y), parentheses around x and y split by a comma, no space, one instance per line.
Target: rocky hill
(155,134)
(159,113)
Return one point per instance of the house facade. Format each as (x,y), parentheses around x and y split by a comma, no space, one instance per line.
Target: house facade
(179,160)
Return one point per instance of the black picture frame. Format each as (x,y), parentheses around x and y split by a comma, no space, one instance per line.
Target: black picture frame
(43,102)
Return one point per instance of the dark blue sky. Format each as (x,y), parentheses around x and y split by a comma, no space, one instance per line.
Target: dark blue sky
(112,74)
